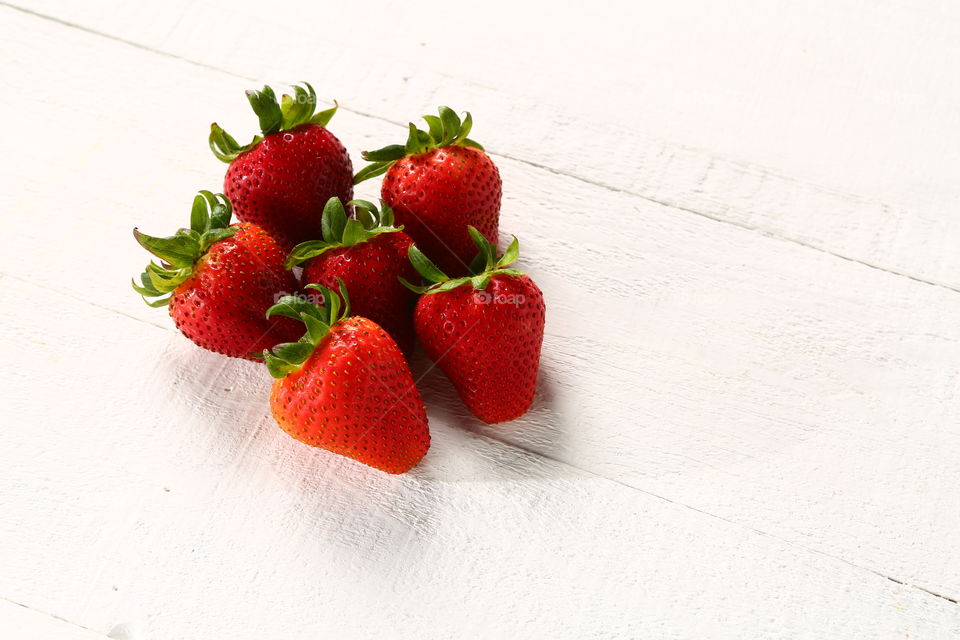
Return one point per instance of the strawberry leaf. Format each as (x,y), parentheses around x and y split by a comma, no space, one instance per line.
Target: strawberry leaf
(316,328)
(264,104)
(480,282)
(418,141)
(291,112)
(371,171)
(353,233)
(442,131)
(485,256)
(333,221)
(209,224)
(483,267)
(510,255)
(451,125)
(293,352)
(289,307)
(435,125)
(340,231)
(413,287)
(345,296)
(386,154)
(225,147)
(448,285)
(424,266)
(278,367)
(288,357)
(465,127)
(199,216)
(365,217)
(323,118)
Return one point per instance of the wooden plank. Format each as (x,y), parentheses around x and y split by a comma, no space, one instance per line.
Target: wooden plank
(767,384)
(772,116)
(155,498)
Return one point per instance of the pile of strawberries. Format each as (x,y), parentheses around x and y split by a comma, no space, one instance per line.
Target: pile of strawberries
(332,293)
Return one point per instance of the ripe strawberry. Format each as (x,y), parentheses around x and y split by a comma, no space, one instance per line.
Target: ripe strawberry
(484,331)
(439,183)
(220,279)
(282,178)
(368,254)
(346,387)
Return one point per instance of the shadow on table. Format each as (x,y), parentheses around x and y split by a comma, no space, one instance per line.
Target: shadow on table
(514,450)
(227,422)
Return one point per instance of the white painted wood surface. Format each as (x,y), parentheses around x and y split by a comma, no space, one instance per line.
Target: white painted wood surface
(754,435)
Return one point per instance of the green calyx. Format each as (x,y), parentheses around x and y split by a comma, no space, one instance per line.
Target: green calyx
(209,223)
(290,112)
(485,265)
(288,357)
(341,231)
(442,131)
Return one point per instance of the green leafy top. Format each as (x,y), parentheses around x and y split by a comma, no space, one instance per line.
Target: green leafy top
(340,231)
(290,112)
(441,131)
(288,357)
(482,267)
(209,223)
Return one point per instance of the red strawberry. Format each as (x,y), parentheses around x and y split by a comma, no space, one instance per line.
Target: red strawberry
(346,387)
(368,254)
(282,178)
(220,279)
(439,183)
(484,331)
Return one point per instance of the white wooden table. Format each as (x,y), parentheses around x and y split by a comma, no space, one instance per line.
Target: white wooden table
(745,218)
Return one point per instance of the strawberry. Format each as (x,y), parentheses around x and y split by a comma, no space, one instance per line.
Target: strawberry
(219,280)
(368,254)
(439,183)
(346,387)
(282,178)
(484,330)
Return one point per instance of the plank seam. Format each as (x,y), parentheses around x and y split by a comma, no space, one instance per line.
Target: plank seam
(734,523)
(78,298)
(53,615)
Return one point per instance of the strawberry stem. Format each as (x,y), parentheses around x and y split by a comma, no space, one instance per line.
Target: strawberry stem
(442,131)
(209,223)
(288,357)
(290,112)
(340,231)
(482,267)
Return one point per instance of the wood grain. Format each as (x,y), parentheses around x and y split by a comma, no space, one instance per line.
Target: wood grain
(735,435)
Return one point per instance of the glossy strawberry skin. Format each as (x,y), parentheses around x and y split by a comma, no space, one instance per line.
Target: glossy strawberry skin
(355,396)
(436,194)
(487,342)
(370,271)
(283,182)
(222,306)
